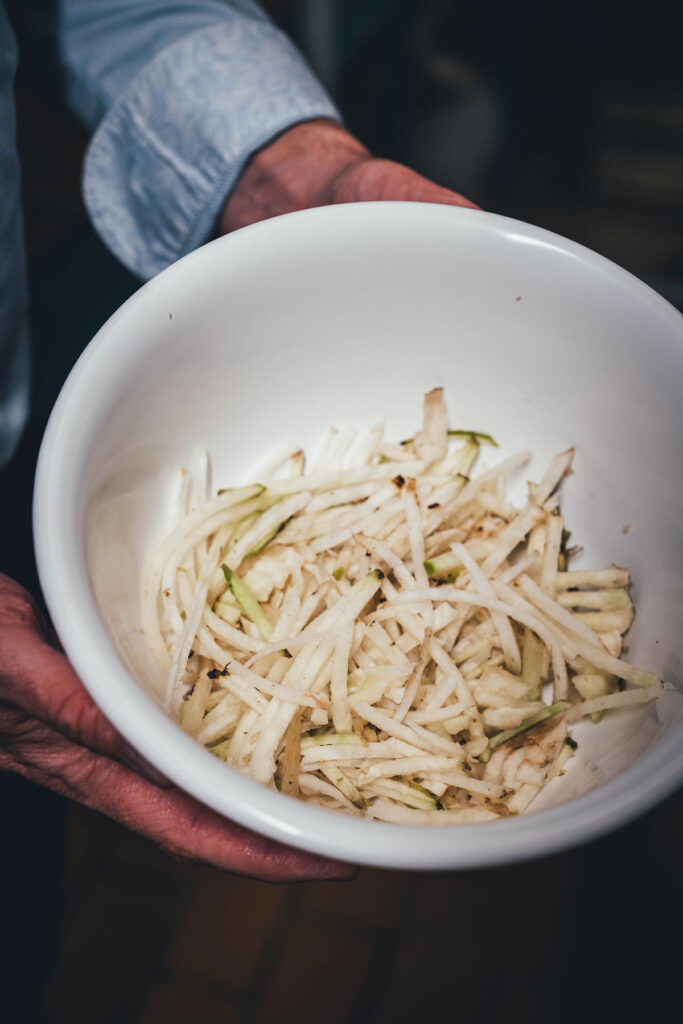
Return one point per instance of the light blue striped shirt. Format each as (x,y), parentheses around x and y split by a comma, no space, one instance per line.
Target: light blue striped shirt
(178,95)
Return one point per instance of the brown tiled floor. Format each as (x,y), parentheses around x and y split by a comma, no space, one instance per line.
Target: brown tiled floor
(148,940)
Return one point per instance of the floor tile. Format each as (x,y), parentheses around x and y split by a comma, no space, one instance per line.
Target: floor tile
(319,977)
(225,929)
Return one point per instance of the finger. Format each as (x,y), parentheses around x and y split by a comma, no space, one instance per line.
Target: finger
(169,818)
(417,189)
(386,180)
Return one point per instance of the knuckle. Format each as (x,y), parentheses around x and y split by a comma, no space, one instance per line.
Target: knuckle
(77,716)
(71,713)
(14,725)
(17,605)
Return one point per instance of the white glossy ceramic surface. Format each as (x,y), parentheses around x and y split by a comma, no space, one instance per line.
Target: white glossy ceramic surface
(349,314)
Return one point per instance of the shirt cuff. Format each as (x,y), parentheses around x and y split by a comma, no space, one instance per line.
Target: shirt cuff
(170,149)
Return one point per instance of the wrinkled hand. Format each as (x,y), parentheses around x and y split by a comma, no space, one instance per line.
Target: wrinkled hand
(319,163)
(52,733)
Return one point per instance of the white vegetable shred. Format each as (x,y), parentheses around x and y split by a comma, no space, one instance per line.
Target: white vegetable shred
(388,635)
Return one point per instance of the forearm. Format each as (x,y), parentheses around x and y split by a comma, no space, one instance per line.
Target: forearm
(181,95)
(220,127)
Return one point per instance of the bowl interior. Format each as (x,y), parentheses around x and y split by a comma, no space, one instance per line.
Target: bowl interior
(348,315)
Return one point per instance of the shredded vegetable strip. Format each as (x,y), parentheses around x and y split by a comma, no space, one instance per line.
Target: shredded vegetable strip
(388,635)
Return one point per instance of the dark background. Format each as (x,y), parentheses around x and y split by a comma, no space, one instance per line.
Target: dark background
(568,116)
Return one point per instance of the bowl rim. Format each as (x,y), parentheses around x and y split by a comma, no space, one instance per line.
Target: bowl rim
(144,724)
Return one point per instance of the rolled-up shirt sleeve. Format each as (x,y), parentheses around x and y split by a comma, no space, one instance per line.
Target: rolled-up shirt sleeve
(179,95)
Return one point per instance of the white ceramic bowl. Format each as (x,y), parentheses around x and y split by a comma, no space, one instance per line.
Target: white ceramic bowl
(348,313)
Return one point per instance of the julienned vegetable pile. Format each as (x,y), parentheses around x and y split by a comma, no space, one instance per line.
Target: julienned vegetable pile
(387,635)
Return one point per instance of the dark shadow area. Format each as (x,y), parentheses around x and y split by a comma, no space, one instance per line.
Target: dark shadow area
(570,118)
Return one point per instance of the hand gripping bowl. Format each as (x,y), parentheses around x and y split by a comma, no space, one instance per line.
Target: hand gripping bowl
(345,314)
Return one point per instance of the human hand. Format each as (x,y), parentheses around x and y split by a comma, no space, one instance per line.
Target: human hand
(52,733)
(318,163)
